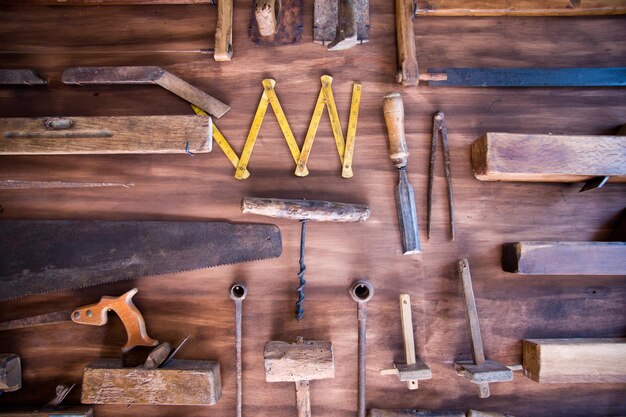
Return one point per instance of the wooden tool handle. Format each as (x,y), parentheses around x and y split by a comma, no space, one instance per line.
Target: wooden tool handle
(393,108)
(303,399)
(316,210)
(96,315)
(266,15)
(408,72)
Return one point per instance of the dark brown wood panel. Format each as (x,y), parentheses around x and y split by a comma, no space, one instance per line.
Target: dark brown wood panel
(50,39)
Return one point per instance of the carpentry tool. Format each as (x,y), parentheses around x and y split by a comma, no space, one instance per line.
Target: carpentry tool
(238,293)
(224,30)
(20,77)
(97,315)
(223,143)
(30,185)
(527,77)
(52,409)
(341,23)
(305,210)
(51,255)
(549,158)
(413,369)
(10,372)
(268,97)
(300,363)
(361,292)
(276,22)
(440,129)
(145,75)
(564,258)
(375,412)
(105,135)
(408,72)
(566,361)
(479,370)
(393,109)
(345,149)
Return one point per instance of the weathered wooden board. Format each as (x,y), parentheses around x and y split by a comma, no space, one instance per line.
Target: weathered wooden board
(105,135)
(565,258)
(519,8)
(295,362)
(548,158)
(64,411)
(180,382)
(558,361)
(10,372)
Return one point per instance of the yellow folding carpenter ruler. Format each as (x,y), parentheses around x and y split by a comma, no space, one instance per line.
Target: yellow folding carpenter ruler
(345,149)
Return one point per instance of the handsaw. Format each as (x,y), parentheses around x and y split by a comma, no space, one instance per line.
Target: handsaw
(96,315)
(40,256)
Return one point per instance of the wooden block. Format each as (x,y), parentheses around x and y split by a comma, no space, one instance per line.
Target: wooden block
(10,372)
(565,258)
(69,411)
(489,371)
(556,361)
(105,135)
(294,362)
(181,382)
(376,412)
(548,158)
(519,8)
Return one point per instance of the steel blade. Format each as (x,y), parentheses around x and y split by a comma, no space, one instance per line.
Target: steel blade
(39,256)
(50,318)
(407,215)
(531,77)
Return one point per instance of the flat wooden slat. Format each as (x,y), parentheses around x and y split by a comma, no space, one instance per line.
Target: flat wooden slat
(519,8)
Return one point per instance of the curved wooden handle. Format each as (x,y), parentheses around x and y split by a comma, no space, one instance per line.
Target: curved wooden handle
(96,315)
(393,109)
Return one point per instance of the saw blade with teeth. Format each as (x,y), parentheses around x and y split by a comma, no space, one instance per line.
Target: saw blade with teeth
(40,256)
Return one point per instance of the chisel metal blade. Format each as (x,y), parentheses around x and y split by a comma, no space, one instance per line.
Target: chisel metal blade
(39,256)
(407,215)
(531,77)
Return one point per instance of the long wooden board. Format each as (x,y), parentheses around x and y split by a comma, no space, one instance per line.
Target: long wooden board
(575,360)
(105,135)
(548,158)
(565,258)
(104,2)
(519,8)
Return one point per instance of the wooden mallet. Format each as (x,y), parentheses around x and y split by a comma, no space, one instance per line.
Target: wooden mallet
(299,362)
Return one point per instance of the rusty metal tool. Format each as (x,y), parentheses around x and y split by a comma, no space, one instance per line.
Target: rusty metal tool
(361,292)
(20,77)
(145,75)
(238,293)
(341,24)
(413,369)
(51,255)
(393,109)
(37,185)
(479,370)
(305,210)
(276,22)
(10,372)
(53,408)
(300,363)
(97,315)
(440,129)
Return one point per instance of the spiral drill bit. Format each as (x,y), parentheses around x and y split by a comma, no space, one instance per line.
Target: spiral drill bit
(299,308)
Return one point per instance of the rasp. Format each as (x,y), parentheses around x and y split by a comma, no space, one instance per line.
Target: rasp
(393,109)
(528,77)
(39,256)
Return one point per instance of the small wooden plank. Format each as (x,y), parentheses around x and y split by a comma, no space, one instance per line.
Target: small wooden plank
(556,361)
(548,158)
(519,8)
(180,382)
(487,372)
(63,411)
(10,372)
(224,31)
(565,258)
(105,135)
(376,412)
(298,361)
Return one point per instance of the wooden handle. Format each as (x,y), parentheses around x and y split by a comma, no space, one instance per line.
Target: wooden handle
(303,399)
(408,72)
(96,315)
(316,210)
(266,15)
(393,108)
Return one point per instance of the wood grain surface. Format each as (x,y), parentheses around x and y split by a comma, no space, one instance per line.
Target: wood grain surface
(196,303)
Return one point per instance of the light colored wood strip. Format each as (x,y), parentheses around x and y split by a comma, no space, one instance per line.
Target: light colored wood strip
(224,31)
(519,8)
(407,334)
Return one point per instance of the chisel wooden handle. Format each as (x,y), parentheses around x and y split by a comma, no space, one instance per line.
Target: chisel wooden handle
(321,211)
(393,108)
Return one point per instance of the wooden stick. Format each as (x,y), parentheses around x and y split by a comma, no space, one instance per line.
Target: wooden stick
(105,135)
(407,335)
(224,31)
(316,210)
(519,8)
(565,258)
(71,411)
(408,72)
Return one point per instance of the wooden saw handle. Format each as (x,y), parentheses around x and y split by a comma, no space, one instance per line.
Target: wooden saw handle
(97,315)
(393,109)
(316,210)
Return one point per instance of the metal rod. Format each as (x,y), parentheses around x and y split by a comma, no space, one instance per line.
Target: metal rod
(238,293)
(302,282)
(361,292)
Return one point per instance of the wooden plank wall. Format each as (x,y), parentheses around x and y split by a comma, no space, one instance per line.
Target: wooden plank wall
(196,303)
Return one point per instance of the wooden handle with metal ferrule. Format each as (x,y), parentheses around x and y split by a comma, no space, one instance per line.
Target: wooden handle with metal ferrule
(316,210)
(393,109)
(97,315)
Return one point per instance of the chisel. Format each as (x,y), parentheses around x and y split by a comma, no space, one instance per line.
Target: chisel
(393,109)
